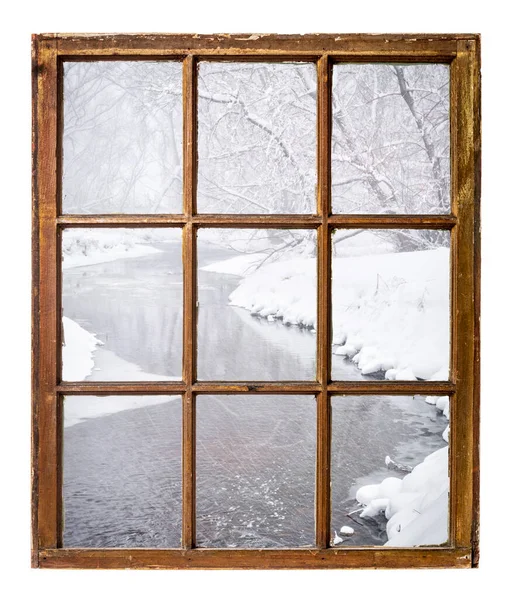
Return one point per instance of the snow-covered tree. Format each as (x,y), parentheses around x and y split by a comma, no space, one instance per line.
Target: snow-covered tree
(257,140)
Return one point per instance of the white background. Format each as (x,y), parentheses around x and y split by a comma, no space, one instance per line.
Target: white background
(262,16)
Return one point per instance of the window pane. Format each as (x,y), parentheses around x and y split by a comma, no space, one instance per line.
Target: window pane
(122,145)
(256,137)
(122,304)
(257,304)
(391,304)
(255,471)
(122,471)
(390,139)
(389,470)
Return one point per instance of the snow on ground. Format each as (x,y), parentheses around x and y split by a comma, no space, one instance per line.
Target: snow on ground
(82,247)
(416,506)
(242,265)
(390,311)
(77,351)
(79,408)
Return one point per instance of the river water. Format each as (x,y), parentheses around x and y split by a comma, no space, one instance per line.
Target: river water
(255,454)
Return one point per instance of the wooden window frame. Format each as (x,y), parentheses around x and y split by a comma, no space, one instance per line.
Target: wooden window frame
(462,53)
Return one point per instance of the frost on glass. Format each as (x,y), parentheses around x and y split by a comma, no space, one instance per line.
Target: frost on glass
(390,140)
(122,304)
(122,472)
(122,139)
(256,137)
(389,471)
(257,304)
(391,304)
(255,471)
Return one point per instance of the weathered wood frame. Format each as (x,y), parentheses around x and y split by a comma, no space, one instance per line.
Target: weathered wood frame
(462,52)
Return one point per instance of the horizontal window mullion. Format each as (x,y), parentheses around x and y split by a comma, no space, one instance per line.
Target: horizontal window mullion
(122,220)
(267,221)
(94,388)
(433,388)
(258,387)
(392,221)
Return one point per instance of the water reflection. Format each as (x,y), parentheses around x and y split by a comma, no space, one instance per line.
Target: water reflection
(134,306)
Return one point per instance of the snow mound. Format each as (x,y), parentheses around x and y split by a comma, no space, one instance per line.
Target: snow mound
(421,496)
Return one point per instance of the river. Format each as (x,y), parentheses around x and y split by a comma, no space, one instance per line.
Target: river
(255,454)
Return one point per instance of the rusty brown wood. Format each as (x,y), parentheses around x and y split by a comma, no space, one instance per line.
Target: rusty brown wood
(477,306)
(49,50)
(339,388)
(394,388)
(404,46)
(121,220)
(98,388)
(47,417)
(463,79)
(35,309)
(189,299)
(323,478)
(392,221)
(256,387)
(242,221)
(308,558)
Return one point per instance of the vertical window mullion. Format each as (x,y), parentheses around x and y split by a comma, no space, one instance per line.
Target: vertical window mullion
(190,289)
(323,301)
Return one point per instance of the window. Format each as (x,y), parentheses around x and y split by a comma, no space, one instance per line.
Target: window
(256,301)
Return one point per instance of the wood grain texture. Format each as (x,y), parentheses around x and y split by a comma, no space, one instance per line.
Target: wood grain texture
(369,388)
(463,82)
(323,464)
(189,301)
(242,221)
(407,47)
(47,312)
(35,311)
(477,307)
(201,558)
(462,52)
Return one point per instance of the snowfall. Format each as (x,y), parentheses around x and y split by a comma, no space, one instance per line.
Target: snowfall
(390,316)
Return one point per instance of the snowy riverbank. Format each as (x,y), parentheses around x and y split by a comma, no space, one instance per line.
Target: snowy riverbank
(416,506)
(390,311)
(81,247)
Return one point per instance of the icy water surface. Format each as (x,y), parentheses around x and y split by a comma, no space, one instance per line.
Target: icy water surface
(255,454)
